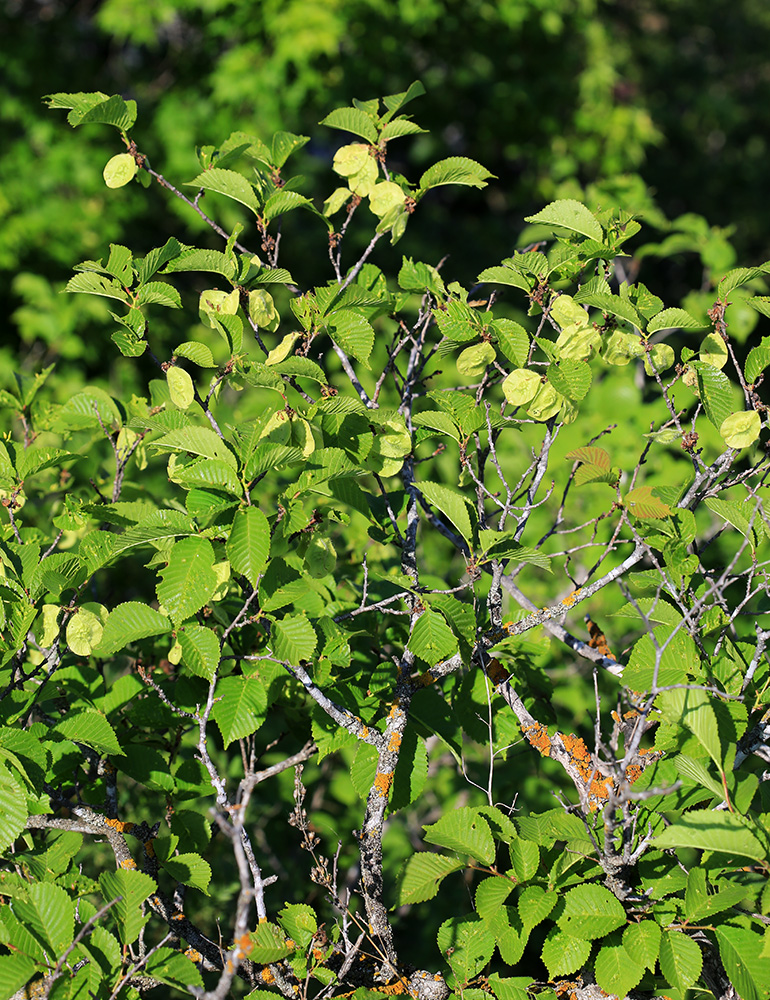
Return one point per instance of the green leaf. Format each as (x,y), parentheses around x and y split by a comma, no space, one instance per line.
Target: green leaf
(283,201)
(503,275)
(748,521)
(613,305)
(713,831)
(269,944)
(758,359)
(240,707)
(715,392)
(293,639)
(534,905)
(563,953)
(200,650)
(189,869)
(491,894)
(15,972)
(642,503)
(353,333)
(248,546)
(134,887)
(455,170)
(674,319)
(300,923)
(450,503)
(521,386)
(111,111)
(352,120)
(198,353)
(194,259)
(570,215)
(591,911)
(512,339)
(642,943)
(188,580)
(127,623)
(198,441)
(525,859)
(97,284)
(737,277)
(745,962)
(229,183)
(467,943)
(616,970)
(423,874)
(432,639)
(465,831)
(680,959)
(90,728)
(571,378)
(13,815)
(49,914)
(173,967)
(119,170)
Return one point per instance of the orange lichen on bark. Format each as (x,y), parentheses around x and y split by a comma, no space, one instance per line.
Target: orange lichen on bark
(570,599)
(383,782)
(394,742)
(128,863)
(117,825)
(266,975)
(538,736)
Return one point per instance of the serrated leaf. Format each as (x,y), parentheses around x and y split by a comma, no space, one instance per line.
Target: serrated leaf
(570,215)
(502,275)
(534,905)
(680,960)
(173,968)
(465,831)
(715,392)
(13,815)
(269,944)
(49,914)
(745,961)
(674,319)
(571,378)
(97,284)
(283,201)
(468,943)
(197,441)
(512,339)
(642,943)
(189,869)
(432,639)
(491,894)
(240,707)
(563,953)
(229,183)
(198,353)
(613,305)
(127,623)
(616,971)
(399,127)
(200,650)
(133,887)
(300,923)
(188,580)
(642,503)
(591,911)
(423,874)
(737,277)
(92,729)
(455,170)
(353,333)
(195,259)
(15,972)
(450,503)
(758,359)
(293,639)
(590,455)
(713,831)
(248,546)
(352,120)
